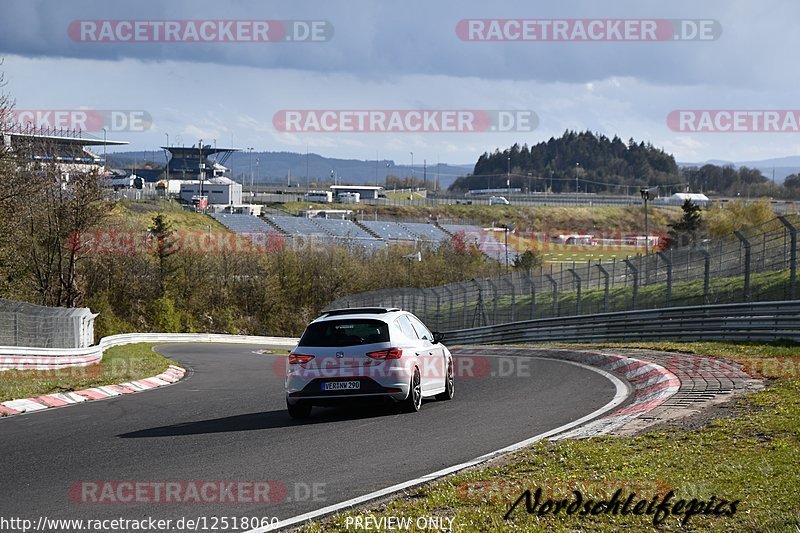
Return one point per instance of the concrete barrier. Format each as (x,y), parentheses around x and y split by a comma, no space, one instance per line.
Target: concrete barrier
(19,358)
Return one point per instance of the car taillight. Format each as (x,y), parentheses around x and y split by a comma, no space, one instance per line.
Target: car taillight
(391,353)
(297,359)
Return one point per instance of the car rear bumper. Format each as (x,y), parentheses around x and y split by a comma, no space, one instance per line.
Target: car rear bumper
(312,391)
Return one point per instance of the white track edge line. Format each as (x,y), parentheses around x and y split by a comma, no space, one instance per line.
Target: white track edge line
(621,394)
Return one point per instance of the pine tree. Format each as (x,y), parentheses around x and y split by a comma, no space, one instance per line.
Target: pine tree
(689,229)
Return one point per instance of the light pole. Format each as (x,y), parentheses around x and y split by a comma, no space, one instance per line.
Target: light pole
(412,168)
(202,173)
(105,163)
(577,167)
(648,194)
(506,228)
(508,179)
(250,159)
(166,158)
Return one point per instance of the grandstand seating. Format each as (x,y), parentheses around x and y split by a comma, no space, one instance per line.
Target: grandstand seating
(242,223)
(426,232)
(341,228)
(298,226)
(389,230)
(348,233)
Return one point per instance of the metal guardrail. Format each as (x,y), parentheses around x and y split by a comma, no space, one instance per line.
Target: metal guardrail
(763,321)
(757,264)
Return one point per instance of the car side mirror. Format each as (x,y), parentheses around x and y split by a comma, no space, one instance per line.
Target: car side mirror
(437,337)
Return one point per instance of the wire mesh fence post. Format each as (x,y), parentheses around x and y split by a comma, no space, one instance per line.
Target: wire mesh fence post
(746,244)
(495,297)
(479,315)
(555,294)
(604,272)
(509,281)
(438,314)
(533,294)
(706,275)
(668,262)
(792,256)
(577,279)
(635,284)
(464,311)
(450,306)
(613,269)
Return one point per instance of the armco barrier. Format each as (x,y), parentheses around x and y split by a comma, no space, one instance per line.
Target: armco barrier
(763,321)
(13,357)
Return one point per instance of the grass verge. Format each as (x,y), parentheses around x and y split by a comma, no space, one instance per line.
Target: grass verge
(120,364)
(751,457)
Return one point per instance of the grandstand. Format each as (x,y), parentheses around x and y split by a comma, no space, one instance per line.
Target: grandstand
(485,242)
(371,235)
(242,224)
(297,226)
(342,232)
(341,228)
(389,231)
(426,232)
(253,228)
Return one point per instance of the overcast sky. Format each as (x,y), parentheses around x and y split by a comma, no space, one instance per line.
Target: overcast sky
(409,56)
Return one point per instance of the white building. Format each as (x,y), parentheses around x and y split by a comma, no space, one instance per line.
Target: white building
(219,190)
(700,200)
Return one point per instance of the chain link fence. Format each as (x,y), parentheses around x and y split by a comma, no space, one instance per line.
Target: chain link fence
(756,264)
(36,326)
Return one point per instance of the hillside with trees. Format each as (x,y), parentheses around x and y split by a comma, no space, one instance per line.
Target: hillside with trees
(606,165)
(601,164)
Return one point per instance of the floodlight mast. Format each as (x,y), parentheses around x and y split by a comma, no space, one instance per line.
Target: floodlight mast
(648,194)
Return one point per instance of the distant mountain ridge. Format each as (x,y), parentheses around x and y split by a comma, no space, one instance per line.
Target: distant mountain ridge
(782,166)
(284,167)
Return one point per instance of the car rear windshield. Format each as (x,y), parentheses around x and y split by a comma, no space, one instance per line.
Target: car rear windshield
(335,333)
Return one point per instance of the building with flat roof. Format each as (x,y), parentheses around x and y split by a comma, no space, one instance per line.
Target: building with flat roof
(367,192)
(219,191)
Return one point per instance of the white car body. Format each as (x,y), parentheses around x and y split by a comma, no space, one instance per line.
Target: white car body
(498,200)
(370,353)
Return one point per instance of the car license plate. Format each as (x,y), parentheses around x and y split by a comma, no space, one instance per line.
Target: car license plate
(341,385)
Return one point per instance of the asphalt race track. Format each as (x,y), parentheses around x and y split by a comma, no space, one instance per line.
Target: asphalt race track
(227,422)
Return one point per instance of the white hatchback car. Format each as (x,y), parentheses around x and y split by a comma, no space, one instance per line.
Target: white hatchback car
(367,353)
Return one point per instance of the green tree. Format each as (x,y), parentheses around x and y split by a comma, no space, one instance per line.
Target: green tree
(689,229)
(165,248)
(527,260)
(166,318)
(737,215)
